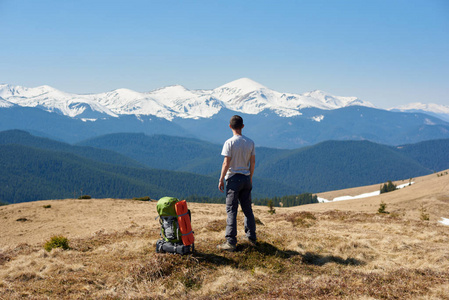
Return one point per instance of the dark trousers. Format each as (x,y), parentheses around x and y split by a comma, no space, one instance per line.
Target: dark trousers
(238,189)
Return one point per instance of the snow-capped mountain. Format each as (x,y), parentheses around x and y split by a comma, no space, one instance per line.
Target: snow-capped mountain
(51,99)
(441,111)
(4,103)
(251,97)
(274,119)
(243,95)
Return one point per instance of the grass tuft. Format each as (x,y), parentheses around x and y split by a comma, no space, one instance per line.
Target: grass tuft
(57,242)
(301,219)
(216,225)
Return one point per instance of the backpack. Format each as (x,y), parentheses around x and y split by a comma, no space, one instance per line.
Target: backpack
(176,230)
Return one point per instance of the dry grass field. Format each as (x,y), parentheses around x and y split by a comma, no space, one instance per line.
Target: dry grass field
(341,250)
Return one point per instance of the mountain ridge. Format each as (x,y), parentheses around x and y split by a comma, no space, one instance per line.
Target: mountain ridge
(190,103)
(272,119)
(438,110)
(244,95)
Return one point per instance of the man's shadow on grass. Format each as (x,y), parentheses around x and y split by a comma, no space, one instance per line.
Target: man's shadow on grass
(311,258)
(266,249)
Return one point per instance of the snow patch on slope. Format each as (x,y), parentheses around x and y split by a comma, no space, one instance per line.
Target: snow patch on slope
(365,195)
(444,221)
(318,118)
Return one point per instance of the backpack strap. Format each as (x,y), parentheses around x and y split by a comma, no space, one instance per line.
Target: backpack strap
(191,231)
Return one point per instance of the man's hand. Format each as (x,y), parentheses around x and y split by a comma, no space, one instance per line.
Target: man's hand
(224,169)
(221,185)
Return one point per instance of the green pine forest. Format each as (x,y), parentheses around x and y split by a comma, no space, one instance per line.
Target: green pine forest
(126,166)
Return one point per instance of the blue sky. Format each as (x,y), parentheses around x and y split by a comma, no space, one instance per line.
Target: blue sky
(386,52)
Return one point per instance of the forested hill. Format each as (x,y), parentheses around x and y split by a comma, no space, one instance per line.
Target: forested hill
(325,166)
(336,165)
(19,137)
(33,174)
(163,152)
(39,168)
(432,154)
(35,168)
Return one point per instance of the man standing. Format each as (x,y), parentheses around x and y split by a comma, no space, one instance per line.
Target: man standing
(238,169)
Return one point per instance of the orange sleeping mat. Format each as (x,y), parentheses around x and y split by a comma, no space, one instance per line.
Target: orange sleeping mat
(184,223)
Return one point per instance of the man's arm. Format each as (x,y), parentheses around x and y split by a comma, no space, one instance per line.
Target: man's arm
(252,165)
(224,170)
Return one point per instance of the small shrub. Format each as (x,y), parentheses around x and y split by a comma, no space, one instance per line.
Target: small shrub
(57,242)
(382,208)
(271,210)
(388,187)
(3,259)
(85,197)
(47,206)
(424,215)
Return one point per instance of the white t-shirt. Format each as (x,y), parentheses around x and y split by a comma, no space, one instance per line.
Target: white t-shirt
(240,149)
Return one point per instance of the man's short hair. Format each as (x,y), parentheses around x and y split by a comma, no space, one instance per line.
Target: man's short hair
(236,122)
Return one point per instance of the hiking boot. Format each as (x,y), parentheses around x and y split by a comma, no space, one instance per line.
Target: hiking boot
(226,247)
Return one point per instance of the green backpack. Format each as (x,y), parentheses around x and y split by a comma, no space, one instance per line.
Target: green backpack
(169,219)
